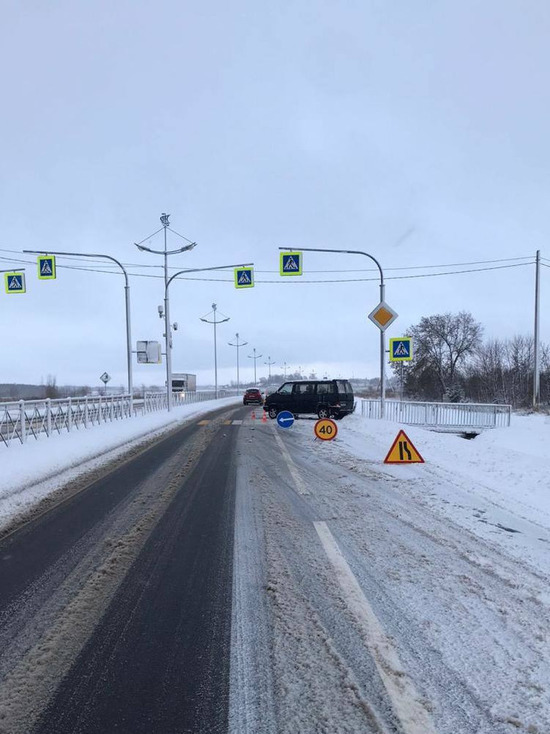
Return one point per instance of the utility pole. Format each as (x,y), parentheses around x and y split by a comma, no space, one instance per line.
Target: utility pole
(284,368)
(254,356)
(167,327)
(215,322)
(536,365)
(238,345)
(269,363)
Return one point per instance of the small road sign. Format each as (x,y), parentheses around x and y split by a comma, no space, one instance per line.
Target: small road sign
(15,282)
(244,277)
(401,349)
(403,452)
(383,315)
(46,267)
(325,429)
(285,419)
(105,377)
(290,263)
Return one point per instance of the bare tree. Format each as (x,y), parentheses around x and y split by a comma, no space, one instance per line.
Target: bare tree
(442,345)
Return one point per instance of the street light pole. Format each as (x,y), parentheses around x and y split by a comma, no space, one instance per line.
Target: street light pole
(201,270)
(242,344)
(254,357)
(215,322)
(167,334)
(269,363)
(127,308)
(382,298)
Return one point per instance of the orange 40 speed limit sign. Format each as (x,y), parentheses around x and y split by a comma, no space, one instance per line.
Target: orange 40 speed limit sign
(326,429)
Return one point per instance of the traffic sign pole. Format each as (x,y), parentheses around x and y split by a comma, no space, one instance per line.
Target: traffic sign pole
(382,294)
(127,307)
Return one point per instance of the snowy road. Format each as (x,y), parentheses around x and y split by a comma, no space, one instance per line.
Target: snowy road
(358,608)
(240,577)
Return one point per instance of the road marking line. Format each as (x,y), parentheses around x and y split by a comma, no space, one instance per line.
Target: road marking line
(237,423)
(295,474)
(203,423)
(227,423)
(403,695)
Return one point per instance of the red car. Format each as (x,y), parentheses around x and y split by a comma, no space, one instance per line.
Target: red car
(253,395)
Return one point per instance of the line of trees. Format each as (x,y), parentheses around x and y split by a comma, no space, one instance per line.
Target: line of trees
(452,362)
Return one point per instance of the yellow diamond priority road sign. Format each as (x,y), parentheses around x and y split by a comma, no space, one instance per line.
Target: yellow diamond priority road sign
(383,315)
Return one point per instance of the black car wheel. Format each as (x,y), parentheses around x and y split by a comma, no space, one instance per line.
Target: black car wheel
(272,412)
(323,412)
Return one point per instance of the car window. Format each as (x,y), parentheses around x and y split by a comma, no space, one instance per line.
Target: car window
(306,388)
(342,386)
(285,389)
(324,387)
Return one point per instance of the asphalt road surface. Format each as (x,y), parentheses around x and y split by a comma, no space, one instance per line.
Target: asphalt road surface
(115,612)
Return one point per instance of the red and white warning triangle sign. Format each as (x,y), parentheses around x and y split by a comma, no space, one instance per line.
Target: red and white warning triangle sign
(403,451)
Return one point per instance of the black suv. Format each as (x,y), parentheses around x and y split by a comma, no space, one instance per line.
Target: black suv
(326,398)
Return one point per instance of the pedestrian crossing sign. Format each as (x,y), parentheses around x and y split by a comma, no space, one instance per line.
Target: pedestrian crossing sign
(46,267)
(290,263)
(403,451)
(244,277)
(401,349)
(15,282)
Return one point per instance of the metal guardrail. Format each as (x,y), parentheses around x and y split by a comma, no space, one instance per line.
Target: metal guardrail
(441,415)
(159,400)
(26,419)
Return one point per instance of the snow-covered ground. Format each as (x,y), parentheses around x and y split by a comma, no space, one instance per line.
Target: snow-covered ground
(436,574)
(497,485)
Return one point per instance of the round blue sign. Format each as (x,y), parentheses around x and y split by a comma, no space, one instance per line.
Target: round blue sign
(285,419)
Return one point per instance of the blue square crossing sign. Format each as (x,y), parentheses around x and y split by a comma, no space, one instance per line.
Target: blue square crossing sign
(14,282)
(401,349)
(290,263)
(46,267)
(244,277)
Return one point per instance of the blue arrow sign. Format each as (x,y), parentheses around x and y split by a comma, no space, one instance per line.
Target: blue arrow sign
(285,419)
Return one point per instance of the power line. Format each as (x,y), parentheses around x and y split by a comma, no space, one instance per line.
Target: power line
(529,258)
(279,281)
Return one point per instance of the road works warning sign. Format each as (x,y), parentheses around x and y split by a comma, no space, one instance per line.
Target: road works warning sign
(403,451)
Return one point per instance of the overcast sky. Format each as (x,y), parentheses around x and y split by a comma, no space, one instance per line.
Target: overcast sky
(414,130)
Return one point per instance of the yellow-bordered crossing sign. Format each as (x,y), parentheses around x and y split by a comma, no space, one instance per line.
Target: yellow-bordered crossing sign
(290,263)
(401,349)
(15,282)
(46,267)
(244,277)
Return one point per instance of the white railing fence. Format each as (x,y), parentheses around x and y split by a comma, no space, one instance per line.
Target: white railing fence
(444,415)
(158,400)
(26,419)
